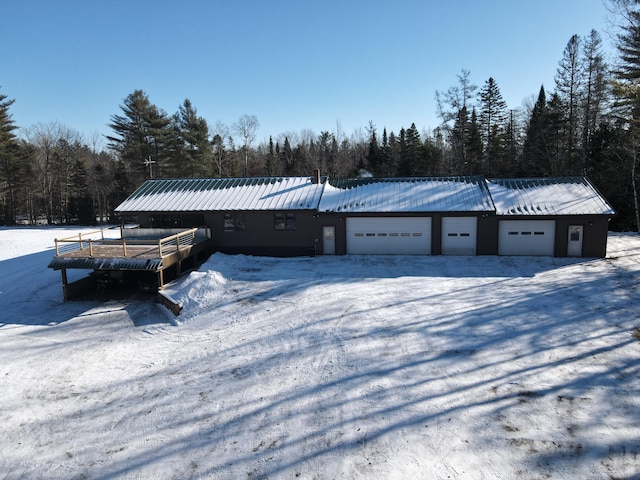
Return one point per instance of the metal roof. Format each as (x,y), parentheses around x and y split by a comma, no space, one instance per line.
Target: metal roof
(412,194)
(224,194)
(547,196)
(532,196)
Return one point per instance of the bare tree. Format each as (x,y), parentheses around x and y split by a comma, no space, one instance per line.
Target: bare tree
(246,127)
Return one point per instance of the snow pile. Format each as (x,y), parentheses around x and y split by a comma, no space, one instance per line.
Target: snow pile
(200,290)
(328,367)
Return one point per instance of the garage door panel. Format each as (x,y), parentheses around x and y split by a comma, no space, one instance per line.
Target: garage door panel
(459,235)
(389,235)
(526,237)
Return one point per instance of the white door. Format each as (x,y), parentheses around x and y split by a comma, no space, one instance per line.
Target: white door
(574,241)
(329,240)
(526,237)
(389,235)
(459,235)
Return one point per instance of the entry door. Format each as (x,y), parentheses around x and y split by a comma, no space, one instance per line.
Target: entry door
(329,240)
(574,241)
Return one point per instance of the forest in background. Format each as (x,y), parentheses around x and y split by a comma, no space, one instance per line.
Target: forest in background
(587,125)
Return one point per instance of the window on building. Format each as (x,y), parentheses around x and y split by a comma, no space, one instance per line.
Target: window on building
(233,222)
(285,221)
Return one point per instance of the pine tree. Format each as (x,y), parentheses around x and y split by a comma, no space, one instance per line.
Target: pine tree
(11,168)
(288,158)
(474,148)
(142,134)
(192,156)
(492,117)
(627,92)
(410,152)
(270,164)
(459,138)
(595,95)
(373,153)
(536,149)
(568,83)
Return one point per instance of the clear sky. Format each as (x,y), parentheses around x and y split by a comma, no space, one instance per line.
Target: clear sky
(294,64)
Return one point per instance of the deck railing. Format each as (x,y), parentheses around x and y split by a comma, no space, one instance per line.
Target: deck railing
(90,240)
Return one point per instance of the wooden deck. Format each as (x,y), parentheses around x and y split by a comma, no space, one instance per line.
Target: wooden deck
(113,252)
(123,250)
(98,244)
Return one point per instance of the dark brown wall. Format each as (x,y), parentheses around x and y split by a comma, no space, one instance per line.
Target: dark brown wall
(487,235)
(595,232)
(260,237)
(594,242)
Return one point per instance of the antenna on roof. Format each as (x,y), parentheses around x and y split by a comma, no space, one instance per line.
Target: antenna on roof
(148,163)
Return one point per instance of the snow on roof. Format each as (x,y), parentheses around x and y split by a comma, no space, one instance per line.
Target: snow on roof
(547,196)
(205,194)
(419,194)
(532,196)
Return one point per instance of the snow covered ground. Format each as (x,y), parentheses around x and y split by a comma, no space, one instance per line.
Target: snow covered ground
(328,367)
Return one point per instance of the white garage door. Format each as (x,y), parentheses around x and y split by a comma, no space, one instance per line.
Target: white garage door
(459,235)
(389,235)
(526,237)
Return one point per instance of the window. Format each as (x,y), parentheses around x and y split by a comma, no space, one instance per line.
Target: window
(285,221)
(233,222)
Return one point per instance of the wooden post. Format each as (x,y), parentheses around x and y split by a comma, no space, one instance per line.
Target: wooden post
(64,276)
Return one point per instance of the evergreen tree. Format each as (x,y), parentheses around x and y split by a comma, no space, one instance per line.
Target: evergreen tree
(394,155)
(556,136)
(324,151)
(511,167)
(474,149)
(492,117)
(11,166)
(410,152)
(595,94)
(270,164)
(627,92)
(536,149)
(288,158)
(192,156)
(568,83)
(374,163)
(459,138)
(387,169)
(141,134)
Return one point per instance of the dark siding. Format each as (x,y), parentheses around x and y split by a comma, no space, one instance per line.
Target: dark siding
(595,231)
(487,235)
(259,236)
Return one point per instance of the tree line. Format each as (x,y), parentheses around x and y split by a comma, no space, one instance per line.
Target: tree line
(587,125)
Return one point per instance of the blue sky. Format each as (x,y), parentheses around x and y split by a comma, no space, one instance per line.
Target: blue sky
(294,64)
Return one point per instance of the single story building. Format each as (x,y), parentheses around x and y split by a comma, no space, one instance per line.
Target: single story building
(287,216)
(562,217)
